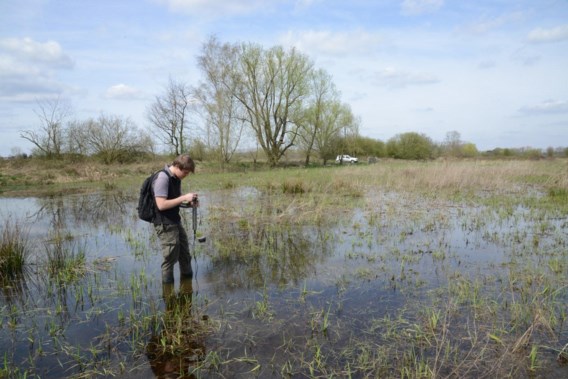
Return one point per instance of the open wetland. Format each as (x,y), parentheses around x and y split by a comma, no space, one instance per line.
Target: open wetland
(393,270)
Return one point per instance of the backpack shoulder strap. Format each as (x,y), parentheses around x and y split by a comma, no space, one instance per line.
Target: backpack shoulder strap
(165,171)
(155,175)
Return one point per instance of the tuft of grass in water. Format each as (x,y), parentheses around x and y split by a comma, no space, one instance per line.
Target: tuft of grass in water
(178,342)
(558,194)
(294,186)
(14,250)
(262,309)
(229,184)
(65,261)
(109,186)
(533,358)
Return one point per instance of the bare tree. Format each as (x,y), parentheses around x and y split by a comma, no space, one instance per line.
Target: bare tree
(274,84)
(49,138)
(114,139)
(224,124)
(452,144)
(76,140)
(169,114)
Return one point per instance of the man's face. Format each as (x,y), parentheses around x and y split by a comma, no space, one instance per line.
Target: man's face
(180,173)
(183,173)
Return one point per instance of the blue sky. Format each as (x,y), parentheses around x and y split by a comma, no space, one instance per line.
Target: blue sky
(494,71)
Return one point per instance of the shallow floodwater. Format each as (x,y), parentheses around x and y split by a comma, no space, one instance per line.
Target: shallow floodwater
(263,290)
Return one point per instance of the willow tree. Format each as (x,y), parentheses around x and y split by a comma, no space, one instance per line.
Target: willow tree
(322,115)
(338,128)
(273,86)
(222,111)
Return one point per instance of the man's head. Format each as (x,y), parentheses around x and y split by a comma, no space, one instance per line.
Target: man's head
(184,164)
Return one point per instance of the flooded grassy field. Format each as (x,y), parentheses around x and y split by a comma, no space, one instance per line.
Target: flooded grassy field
(393,270)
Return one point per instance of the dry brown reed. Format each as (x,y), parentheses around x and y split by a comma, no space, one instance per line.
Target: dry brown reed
(469,175)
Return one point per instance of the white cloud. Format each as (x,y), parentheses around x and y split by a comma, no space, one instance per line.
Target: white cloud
(29,89)
(304,4)
(28,69)
(216,8)
(488,24)
(546,107)
(557,34)
(394,78)
(26,49)
(123,92)
(332,43)
(414,7)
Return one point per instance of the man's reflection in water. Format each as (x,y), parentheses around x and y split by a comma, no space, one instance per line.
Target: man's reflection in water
(177,348)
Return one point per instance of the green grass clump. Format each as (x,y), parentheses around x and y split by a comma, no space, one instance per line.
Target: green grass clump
(65,261)
(14,251)
(558,194)
(294,186)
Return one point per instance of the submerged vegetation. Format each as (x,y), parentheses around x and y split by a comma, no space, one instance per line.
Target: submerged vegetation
(445,269)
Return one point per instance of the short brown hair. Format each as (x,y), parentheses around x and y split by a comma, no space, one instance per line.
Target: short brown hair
(184,162)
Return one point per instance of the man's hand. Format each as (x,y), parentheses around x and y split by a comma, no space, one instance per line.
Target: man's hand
(189,198)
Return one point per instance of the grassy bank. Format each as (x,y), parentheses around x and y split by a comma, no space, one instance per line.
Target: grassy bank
(25,177)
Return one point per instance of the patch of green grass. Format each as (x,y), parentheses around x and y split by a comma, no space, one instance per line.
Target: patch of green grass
(558,194)
(294,186)
(65,261)
(14,250)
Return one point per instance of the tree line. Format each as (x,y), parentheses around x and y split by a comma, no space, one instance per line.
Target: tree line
(272,100)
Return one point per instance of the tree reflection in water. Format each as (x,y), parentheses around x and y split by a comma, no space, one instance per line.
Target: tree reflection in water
(177,348)
(102,208)
(267,255)
(259,239)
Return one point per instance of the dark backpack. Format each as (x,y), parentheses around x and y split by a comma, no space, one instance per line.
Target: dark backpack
(146,202)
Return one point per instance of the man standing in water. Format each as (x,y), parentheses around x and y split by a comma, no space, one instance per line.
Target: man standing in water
(167,223)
